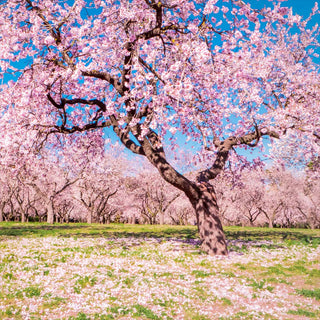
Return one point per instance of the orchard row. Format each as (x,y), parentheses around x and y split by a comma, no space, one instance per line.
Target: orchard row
(53,189)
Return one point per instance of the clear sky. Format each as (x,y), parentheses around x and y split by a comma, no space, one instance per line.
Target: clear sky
(301,7)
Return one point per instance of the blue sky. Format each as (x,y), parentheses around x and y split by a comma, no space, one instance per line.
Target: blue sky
(301,7)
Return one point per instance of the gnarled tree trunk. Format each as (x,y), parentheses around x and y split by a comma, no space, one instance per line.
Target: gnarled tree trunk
(208,221)
(201,196)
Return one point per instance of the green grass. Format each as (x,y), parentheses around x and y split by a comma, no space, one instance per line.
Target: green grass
(54,303)
(288,236)
(303,312)
(83,282)
(141,311)
(309,293)
(116,271)
(8,229)
(226,301)
(201,274)
(32,291)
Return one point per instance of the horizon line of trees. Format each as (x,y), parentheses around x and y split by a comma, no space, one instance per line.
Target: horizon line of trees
(50,190)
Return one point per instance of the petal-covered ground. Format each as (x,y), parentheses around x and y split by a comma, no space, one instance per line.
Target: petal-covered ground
(150,278)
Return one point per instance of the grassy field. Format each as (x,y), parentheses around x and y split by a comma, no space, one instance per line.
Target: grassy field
(81,271)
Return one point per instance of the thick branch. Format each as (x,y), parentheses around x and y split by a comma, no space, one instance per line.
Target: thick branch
(86,127)
(127,142)
(171,201)
(223,151)
(317,135)
(158,159)
(63,102)
(92,102)
(122,134)
(69,183)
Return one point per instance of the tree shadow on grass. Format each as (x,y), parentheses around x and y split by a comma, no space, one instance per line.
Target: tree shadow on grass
(37,230)
(271,234)
(293,236)
(241,235)
(108,231)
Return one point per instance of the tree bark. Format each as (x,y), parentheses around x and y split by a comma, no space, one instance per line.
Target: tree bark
(89,217)
(202,198)
(161,219)
(209,225)
(270,223)
(50,213)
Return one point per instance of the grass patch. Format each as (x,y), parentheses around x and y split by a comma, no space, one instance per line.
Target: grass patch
(140,311)
(303,312)
(11,312)
(226,302)
(32,291)
(83,282)
(202,274)
(35,229)
(194,315)
(315,293)
(289,236)
(54,303)
(201,292)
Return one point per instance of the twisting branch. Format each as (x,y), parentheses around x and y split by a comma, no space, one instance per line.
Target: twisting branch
(317,135)
(87,127)
(258,136)
(278,99)
(63,102)
(223,151)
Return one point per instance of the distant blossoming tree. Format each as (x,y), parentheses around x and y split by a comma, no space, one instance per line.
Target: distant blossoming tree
(221,73)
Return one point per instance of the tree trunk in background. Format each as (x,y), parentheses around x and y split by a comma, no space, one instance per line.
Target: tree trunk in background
(270,223)
(161,219)
(50,213)
(89,217)
(1,212)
